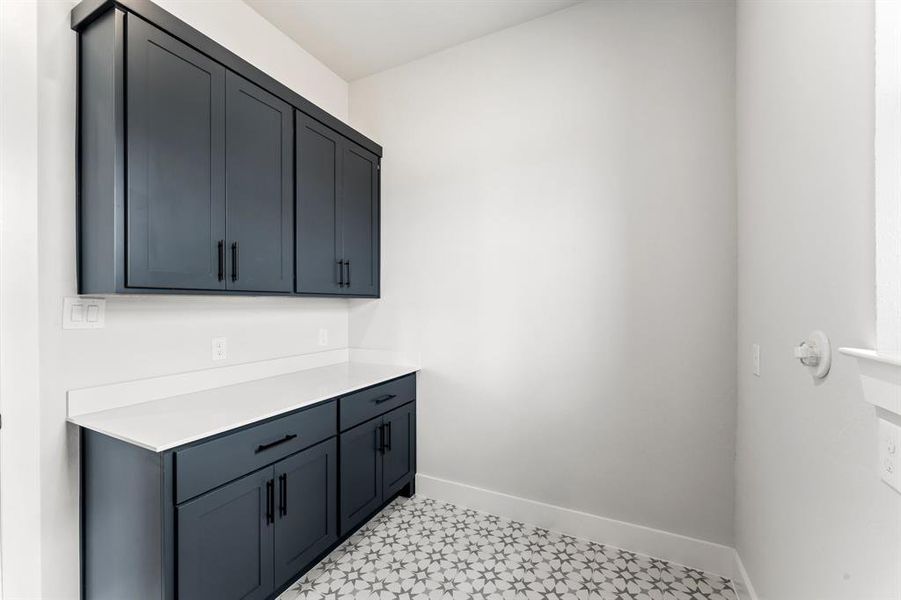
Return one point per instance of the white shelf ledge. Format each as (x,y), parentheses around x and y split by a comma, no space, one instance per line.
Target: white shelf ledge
(880,376)
(874,355)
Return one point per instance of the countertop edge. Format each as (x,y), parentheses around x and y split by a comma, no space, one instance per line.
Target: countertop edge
(78,420)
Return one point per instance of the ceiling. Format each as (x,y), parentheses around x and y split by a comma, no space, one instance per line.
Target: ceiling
(356,38)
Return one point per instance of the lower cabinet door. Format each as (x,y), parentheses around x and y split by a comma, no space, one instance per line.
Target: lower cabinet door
(361,473)
(399,459)
(225,541)
(306,523)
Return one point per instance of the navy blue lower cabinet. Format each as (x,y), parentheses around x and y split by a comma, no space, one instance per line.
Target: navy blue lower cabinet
(361,473)
(243,514)
(225,541)
(306,522)
(399,457)
(238,540)
(378,457)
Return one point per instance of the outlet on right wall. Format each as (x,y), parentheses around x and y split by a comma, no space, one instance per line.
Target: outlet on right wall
(813,521)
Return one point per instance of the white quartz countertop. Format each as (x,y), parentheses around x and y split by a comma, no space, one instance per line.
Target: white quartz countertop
(165,423)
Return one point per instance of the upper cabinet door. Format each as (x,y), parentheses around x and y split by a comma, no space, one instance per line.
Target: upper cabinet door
(259,196)
(175,101)
(318,165)
(360,220)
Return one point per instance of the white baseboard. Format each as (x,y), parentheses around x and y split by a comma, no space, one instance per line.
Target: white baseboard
(698,554)
(741,581)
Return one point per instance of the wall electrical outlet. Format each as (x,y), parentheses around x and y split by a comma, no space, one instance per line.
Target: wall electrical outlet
(84,313)
(219,348)
(755,359)
(890,453)
(323,337)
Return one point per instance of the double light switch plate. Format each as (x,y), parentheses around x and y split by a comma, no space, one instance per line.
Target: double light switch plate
(84,313)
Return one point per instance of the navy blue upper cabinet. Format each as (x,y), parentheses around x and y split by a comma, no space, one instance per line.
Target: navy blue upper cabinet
(176,163)
(186,170)
(359,210)
(259,134)
(318,241)
(210,198)
(337,213)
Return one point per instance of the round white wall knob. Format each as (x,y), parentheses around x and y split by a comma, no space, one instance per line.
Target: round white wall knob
(816,353)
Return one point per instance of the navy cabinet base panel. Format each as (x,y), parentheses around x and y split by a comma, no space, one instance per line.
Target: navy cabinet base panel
(244,514)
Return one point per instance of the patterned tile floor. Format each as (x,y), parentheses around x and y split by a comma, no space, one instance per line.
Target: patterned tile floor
(421,549)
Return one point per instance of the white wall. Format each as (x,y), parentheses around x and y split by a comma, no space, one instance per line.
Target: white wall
(888,175)
(143,336)
(20,517)
(558,243)
(813,521)
(242,30)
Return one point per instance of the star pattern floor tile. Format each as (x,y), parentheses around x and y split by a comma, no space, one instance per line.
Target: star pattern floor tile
(422,549)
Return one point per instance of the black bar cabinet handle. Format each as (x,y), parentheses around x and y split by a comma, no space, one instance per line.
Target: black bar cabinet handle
(221,260)
(283,494)
(264,447)
(347,262)
(340,273)
(235,261)
(384,398)
(388,443)
(381,439)
(270,501)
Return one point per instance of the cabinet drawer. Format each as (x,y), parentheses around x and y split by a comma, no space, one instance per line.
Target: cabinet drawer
(377,400)
(207,465)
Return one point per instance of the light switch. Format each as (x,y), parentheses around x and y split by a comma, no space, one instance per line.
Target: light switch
(76,313)
(84,313)
(889,453)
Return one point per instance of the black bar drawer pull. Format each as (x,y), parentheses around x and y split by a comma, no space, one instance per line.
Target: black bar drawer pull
(270,501)
(283,494)
(384,398)
(221,260)
(235,261)
(264,447)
